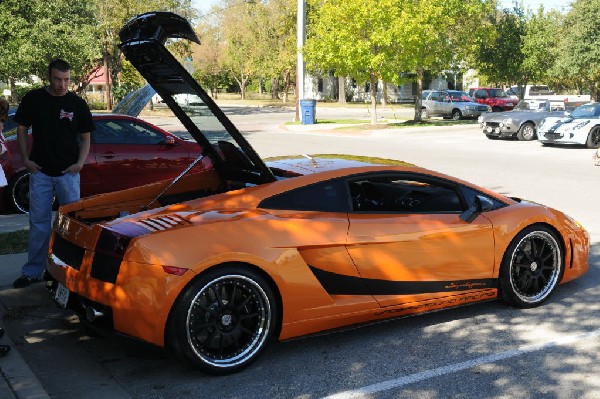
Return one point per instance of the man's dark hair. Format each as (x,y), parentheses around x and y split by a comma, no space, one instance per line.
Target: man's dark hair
(60,65)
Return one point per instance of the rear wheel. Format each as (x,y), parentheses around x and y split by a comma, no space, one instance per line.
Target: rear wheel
(223,320)
(593,140)
(531,268)
(18,192)
(526,132)
(456,114)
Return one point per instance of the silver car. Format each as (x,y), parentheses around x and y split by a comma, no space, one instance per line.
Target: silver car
(521,123)
(453,104)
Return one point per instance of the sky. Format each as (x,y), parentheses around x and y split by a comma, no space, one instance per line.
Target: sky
(204,5)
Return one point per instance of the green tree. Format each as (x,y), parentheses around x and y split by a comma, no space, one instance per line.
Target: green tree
(34,32)
(543,31)
(500,59)
(441,36)
(580,53)
(111,16)
(356,39)
(277,43)
(208,57)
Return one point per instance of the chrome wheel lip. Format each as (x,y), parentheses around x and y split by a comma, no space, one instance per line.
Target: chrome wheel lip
(18,203)
(260,335)
(534,267)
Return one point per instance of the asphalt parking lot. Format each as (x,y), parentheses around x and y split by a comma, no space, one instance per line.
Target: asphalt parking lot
(486,350)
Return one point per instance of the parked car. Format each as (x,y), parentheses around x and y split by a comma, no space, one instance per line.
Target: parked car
(581,127)
(450,104)
(215,265)
(496,98)
(521,123)
(537,94)
(125,152)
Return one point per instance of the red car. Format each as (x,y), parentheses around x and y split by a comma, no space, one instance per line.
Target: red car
(125,152)
(495,98)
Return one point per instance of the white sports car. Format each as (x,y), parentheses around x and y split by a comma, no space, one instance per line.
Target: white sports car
(581,127)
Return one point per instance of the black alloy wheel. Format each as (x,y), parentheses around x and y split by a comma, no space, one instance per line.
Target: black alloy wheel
(531,268)
(593,139)
(223,320)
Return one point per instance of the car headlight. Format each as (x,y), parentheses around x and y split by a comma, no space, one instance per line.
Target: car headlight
(580,125)
(507,121)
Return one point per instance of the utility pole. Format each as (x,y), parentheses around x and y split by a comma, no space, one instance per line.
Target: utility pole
(300,69)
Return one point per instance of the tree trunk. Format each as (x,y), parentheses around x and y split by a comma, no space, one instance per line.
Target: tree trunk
(373,99)
(286,85)
(383,93)
(418,102)
(342,90)
(275,88)
(14,97)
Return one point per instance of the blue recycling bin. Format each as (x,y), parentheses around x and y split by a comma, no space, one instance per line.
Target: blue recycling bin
(307,109)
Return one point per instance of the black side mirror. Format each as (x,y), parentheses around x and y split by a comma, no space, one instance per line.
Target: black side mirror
(480,204)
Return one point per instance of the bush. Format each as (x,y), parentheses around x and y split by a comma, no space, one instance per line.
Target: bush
(97,105)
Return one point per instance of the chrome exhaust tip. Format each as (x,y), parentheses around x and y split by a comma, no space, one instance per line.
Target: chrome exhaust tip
(92,314)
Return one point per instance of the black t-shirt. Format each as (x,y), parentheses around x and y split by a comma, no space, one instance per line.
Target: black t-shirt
(56,122)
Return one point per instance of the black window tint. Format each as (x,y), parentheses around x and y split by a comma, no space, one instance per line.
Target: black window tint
(328,196)
(125,132)
(405,194)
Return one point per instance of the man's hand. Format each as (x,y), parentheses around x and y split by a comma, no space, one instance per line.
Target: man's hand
(31,166)
(73,169)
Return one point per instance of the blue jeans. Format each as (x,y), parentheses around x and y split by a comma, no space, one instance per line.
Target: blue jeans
(42,189)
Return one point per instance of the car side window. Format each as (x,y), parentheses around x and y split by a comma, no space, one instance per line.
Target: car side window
(480,94)
(404,194)
(329,196)
(125,132)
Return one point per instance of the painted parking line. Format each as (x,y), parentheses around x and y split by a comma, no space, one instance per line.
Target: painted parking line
(453,368)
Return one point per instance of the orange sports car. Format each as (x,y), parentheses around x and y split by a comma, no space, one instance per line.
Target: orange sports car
(219,261)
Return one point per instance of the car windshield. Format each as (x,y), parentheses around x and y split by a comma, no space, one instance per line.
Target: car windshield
(459,96)
(497,93)
(587,111)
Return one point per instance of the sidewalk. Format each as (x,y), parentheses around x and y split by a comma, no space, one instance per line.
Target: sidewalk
(18,381)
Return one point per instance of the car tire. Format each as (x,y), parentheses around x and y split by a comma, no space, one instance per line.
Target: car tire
(17,193)
(593,139)
(532,267)
(456,115)
(223,320)
(424,113)
(526,132)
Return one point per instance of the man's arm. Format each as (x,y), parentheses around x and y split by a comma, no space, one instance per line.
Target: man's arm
(22,139)
(84,149)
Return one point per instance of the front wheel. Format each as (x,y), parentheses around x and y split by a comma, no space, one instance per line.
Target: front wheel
(456,115)
(593,139)
(526,132)
(223,320)
(531,268)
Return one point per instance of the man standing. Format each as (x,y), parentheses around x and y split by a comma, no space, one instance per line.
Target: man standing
(61,124)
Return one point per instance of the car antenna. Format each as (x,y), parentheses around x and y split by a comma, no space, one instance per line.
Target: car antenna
(311,159)
(175,180)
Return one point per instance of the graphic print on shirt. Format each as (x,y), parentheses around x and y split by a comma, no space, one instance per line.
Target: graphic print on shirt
(66,115)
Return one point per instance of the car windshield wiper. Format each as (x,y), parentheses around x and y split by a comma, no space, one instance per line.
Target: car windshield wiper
(175,180)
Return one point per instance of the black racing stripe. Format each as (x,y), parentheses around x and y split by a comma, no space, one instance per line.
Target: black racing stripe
(338,284)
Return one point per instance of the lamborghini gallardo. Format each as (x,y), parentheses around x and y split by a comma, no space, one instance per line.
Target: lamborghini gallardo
(236,252)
